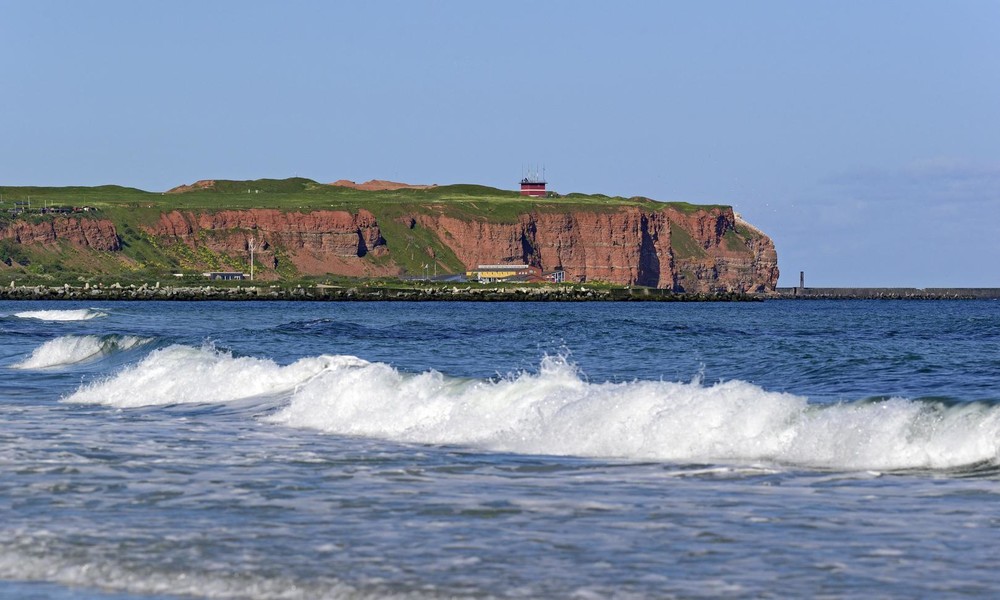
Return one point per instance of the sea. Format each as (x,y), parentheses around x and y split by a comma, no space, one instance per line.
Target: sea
(309,450)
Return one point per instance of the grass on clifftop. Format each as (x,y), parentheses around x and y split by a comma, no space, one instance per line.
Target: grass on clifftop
(469,201)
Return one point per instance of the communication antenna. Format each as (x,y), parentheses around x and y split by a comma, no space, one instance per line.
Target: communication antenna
(252,244)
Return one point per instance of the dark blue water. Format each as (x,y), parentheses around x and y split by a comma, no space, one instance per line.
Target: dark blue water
(355,450)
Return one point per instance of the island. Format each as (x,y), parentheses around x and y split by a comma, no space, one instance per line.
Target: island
(299,234)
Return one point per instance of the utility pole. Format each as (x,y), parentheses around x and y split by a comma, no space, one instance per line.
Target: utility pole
(253,246)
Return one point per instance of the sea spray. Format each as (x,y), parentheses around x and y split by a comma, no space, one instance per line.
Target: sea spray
(73,349)
(183,374)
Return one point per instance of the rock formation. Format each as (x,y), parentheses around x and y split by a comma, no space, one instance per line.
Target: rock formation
(706,250)
(94,234)
(317,242)
(684,249)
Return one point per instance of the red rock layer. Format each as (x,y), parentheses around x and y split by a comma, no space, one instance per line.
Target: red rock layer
(318,242)
(704,250)
(96,234)
(630,246)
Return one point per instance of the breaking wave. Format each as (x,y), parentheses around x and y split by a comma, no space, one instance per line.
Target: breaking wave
(73,349)
(557,412)
(184,374)
(83,314)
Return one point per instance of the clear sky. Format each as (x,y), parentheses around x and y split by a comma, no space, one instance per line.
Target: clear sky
(863,137)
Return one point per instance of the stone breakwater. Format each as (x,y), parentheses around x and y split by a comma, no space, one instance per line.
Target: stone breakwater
(557,293)
(887,293)
(364,293)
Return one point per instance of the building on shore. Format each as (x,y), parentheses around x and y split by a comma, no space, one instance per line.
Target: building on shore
(225,275)
(24,207)
(514,273)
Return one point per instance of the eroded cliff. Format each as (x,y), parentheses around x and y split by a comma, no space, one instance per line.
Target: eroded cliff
(316,242)
(84,233)
(681,248)
(704,250)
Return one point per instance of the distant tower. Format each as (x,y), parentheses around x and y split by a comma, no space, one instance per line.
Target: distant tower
(533,184)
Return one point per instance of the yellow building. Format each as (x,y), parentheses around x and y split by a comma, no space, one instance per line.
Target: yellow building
(495,273)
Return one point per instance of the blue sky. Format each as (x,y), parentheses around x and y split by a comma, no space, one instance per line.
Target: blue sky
(864,137)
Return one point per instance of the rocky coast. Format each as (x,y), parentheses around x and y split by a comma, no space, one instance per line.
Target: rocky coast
(581,293)
(297,229)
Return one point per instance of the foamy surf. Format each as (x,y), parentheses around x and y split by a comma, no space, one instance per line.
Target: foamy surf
(83,314)
(184,374)
(73,349)
(118,576)
(556,412)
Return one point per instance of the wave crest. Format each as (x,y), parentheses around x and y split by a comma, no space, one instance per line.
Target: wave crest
(184,374)
(73,349)
(83,314)
(556,412)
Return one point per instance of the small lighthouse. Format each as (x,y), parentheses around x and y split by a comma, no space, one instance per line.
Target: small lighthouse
(533,184)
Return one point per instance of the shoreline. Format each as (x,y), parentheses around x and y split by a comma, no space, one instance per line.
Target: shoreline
(575,293)
(327,293)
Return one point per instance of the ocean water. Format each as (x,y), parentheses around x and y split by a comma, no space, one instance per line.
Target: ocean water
(464,450)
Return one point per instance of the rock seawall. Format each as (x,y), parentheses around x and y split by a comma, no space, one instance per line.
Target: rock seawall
(546,293)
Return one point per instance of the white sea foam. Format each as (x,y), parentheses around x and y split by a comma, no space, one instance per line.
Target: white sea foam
(83,314)
(556,412)
(73,349)
(184,374)
(22,566)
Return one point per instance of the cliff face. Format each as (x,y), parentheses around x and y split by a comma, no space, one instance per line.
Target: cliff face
(317,242)
(95,234)
(703,251)
(697,250)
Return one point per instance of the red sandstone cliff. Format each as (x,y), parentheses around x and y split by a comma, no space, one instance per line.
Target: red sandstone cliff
(96,234)
(702,251)
(318,242)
